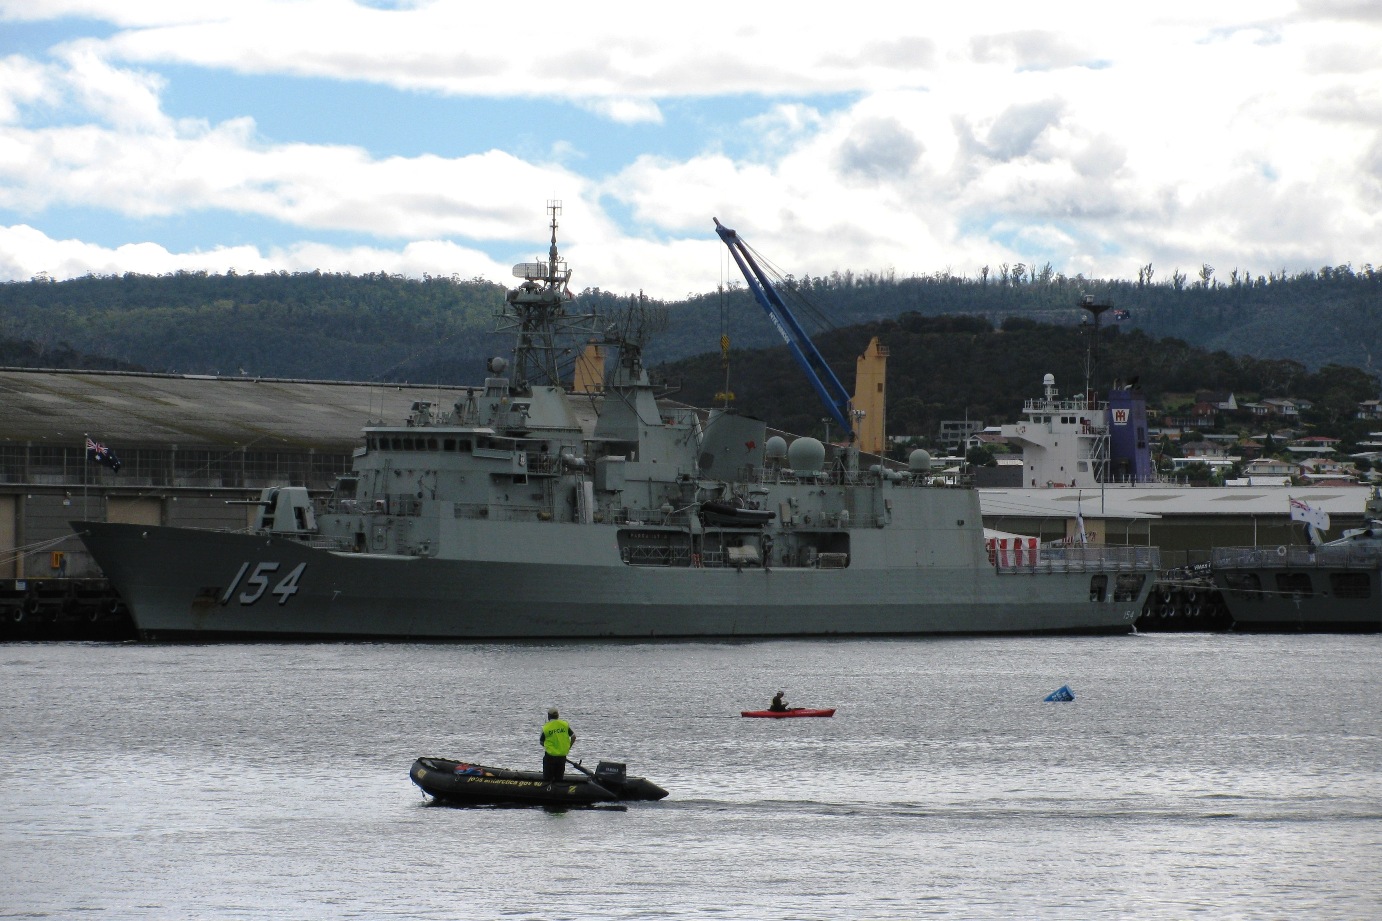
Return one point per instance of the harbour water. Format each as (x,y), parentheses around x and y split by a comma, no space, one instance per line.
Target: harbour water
(1194,775)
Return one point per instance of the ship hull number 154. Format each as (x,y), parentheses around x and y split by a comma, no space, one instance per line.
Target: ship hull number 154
(256,586)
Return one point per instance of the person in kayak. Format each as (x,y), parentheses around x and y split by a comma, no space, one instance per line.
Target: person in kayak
(557,738)
(778,705)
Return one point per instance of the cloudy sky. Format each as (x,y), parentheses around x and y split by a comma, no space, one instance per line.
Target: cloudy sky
(908,137)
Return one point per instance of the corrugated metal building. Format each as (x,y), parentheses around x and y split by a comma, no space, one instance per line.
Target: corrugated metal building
(188,445)
(1176,518)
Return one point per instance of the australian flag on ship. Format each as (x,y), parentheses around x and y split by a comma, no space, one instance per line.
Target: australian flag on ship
(95,451)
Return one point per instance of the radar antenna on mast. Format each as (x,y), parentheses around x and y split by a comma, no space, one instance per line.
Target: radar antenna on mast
(1091,358)
(537,312)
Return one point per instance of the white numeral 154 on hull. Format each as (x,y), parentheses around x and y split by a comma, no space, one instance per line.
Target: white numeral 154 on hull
(258,583)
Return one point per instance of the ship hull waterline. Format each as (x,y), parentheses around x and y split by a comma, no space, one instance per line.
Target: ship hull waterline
(183,584)
(1284,611)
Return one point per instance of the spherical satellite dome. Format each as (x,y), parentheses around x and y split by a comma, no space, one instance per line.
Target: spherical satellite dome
(919,461)
(806,455)
(776,447)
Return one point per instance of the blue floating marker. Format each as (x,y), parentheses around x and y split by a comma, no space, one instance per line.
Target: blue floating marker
(1061,693)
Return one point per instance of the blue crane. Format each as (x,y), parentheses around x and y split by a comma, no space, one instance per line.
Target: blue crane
(826,384)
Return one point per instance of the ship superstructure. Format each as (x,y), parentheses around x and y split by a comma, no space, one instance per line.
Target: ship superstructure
(1080,440)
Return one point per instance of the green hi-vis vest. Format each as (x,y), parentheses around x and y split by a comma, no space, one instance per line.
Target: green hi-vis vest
(556,738)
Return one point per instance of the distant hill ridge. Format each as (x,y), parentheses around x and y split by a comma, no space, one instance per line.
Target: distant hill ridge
(966,367)
(957,344)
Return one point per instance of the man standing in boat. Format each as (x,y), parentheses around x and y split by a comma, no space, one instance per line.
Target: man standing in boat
(557,738)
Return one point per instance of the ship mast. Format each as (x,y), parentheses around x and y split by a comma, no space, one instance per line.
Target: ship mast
(1091,357)
(537,313)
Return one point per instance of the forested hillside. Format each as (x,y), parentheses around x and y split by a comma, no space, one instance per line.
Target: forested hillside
(953,367)
(941,367)
(303,325)
(1333,316)
(386,327)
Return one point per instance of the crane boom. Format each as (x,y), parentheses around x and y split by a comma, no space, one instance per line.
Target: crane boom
(822,379)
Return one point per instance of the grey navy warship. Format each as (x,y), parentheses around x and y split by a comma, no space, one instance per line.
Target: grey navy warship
(1325,586)
(526,511)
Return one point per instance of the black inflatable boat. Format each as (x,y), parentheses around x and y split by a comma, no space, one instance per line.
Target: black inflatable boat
(464,783)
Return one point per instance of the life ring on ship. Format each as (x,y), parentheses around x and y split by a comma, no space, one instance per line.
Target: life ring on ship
(1281,551)
(696,560)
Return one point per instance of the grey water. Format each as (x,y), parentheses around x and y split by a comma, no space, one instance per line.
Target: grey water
(1199,775)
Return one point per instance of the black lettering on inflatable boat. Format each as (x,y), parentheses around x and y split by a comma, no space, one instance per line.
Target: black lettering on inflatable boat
(258,583)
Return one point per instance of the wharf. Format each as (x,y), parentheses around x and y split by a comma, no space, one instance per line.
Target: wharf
(62,609)
(1182,602)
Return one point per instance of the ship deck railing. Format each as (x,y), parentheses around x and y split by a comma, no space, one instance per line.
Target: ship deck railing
(1057,405)
(1082,559)
(1297,557)
(775,476)
(674,557)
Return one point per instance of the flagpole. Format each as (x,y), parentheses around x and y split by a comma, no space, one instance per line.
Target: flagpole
(86,470)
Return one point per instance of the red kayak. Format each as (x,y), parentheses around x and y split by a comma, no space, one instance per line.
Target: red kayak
(791,711)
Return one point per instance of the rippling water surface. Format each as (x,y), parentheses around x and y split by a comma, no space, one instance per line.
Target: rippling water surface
(1209,776)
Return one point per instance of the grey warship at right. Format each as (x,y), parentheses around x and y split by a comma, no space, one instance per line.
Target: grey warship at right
(522,510)
(1331,586)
